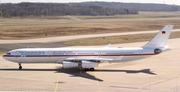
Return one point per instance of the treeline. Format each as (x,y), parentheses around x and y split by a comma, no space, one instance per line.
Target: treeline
(58,9)
(84,8)
(136,6)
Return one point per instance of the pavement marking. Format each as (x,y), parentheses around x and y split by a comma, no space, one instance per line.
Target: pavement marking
(57,83)
(99,86)
(21,78)
(97,83)
(166,80)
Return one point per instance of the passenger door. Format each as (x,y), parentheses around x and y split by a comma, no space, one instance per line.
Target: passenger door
(50,53)
(23,55)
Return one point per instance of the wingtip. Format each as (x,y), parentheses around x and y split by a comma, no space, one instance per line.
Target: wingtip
(170,25)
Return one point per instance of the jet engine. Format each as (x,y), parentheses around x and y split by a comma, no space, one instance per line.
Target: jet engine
(157,51)
(67,64)
(83,64)
(89,64)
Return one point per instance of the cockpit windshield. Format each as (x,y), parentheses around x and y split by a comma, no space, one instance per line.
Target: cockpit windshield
(8,53)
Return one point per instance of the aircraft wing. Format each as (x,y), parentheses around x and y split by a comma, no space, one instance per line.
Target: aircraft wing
(88,59)
(107,46)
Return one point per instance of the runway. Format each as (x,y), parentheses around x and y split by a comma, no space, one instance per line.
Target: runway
(55,42)
(154,74)
(75,37)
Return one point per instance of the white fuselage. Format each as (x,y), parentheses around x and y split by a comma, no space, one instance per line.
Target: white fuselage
(89,58)
(58,55)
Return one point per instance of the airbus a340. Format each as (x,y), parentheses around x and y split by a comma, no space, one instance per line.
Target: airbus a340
(88,58)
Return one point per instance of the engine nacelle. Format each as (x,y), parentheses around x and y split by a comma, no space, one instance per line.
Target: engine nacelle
(67,64)
(89,64)
(157,51)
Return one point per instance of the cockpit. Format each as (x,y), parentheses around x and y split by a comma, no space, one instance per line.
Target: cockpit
(8,53)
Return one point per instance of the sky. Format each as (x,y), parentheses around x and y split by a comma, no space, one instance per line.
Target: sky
(176,2)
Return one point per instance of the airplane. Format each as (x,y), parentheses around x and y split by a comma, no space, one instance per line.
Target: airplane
(88,58)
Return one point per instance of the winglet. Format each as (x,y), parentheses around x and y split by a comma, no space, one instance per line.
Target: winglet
(161,38)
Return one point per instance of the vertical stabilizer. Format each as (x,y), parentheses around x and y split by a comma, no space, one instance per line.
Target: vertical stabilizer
(161,37)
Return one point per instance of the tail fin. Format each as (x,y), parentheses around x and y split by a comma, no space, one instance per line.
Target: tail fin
(161,38)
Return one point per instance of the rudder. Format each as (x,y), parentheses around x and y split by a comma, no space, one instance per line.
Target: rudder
(161,37)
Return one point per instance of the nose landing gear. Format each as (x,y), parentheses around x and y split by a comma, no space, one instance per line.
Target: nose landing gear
(20,67)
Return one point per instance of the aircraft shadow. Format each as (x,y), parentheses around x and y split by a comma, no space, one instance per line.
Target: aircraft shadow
(76,72)
(146,71)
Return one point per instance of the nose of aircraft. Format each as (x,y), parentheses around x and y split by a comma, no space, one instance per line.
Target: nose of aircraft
(6,57)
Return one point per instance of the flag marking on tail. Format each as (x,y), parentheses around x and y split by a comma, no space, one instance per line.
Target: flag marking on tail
(163,32)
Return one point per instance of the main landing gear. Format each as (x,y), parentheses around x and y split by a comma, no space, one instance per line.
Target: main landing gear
(20,67)
(89,69)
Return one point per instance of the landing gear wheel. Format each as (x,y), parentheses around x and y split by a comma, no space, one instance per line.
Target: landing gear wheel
(86,69)
(20,67)
(91,69)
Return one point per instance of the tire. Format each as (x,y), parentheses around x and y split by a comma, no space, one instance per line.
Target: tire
(91,69)
(20,67)
(86,69)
